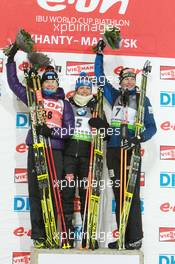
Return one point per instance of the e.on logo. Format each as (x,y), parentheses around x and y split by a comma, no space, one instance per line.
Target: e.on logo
(167,207)
(21,148)
(119,68)
(84,6)
(21,231)
(167,125)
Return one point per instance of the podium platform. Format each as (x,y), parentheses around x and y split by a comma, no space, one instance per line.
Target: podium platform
(99,256)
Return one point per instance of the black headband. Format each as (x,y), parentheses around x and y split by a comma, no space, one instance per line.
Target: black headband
(127,74)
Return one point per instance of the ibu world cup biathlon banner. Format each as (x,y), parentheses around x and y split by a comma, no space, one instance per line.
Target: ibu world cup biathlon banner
(66,30)
(76,25)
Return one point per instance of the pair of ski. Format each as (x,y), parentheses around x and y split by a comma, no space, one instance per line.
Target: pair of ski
(128,182)
(44,166)
(92,202)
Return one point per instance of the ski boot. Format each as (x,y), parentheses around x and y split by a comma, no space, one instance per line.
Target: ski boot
(134,245)
(39,243)
(113,245)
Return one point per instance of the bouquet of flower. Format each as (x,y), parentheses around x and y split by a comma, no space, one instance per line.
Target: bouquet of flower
(38,60)
(23,42)
(112,37)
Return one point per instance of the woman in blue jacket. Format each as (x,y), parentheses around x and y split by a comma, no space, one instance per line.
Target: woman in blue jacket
(115,97)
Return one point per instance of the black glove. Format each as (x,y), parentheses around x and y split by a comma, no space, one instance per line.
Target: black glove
(43,130)
(131,143)
(98,123)
(12,53)
(92,103)
(100,46)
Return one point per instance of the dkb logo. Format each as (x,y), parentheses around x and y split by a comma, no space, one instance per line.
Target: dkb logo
(167,179)
(22,120)
(167,99)
(21,203)
(167,259)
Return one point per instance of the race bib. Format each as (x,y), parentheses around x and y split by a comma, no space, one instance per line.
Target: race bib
(82,125)
(119,115)
(54,112)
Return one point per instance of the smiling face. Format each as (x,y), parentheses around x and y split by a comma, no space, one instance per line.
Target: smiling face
(128,79)
(128,83)
(84,91)
(50,85)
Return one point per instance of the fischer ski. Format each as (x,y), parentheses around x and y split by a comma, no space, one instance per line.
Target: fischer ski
(123,152)
(135,159)
(97,170)
(37,117)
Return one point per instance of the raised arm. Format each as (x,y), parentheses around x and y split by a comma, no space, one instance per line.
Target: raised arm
(109,91)
(17,88)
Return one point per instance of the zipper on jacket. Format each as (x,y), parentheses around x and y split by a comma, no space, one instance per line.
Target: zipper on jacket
(76,155)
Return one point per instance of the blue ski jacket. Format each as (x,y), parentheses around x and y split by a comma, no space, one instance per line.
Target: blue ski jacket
(111,94)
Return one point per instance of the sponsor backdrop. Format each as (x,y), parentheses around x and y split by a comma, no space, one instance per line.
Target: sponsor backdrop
(62,29)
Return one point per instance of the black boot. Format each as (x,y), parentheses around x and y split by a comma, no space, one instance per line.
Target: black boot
(134,245)
(70,234)
(113,245)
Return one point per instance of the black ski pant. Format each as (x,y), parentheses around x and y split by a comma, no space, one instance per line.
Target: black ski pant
(75,174)
(36,217)
(134,227)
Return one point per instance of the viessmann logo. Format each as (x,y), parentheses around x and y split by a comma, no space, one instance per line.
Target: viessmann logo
(167,152)
(21,257)
(167,72)
(20,175)
(167,234)
(85,6)
(74,68)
